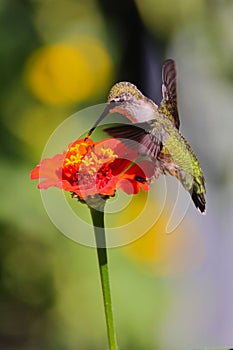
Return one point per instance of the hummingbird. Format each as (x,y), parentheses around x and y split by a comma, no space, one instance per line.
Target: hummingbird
(154,131)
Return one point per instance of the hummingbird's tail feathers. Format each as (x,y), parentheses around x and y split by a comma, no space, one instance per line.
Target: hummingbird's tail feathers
(198,199)
(137,137)
(168,104)
(193,183)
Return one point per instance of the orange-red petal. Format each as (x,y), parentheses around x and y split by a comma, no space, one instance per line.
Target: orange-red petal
(87,169)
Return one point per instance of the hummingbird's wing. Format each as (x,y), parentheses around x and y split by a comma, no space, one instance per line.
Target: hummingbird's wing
(169,149)
(168,104)
(138,137)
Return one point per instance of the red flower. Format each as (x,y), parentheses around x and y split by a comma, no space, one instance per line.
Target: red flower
(89,168)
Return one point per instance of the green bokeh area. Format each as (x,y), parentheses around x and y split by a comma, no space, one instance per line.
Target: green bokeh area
(50,292)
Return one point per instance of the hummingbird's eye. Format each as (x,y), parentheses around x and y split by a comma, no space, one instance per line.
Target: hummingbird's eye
(116,99)
(119,99)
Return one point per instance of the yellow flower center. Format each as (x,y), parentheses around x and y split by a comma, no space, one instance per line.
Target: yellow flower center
(84,160)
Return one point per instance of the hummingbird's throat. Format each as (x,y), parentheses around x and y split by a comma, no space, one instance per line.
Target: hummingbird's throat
(136,112)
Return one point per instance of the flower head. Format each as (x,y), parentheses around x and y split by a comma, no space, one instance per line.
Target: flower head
(87,169)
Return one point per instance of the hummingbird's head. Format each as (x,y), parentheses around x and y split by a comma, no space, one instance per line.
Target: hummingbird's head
(124,91)
(130,102)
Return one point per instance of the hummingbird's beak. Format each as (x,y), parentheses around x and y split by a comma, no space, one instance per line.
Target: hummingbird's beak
(108,109)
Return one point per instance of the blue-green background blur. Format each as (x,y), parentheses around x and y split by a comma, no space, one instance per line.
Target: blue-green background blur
(57,57)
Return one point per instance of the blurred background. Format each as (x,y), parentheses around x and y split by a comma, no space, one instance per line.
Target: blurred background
(58,57)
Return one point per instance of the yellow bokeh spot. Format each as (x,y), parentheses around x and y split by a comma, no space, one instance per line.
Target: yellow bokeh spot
(160,253)
(164,19)
(68,73)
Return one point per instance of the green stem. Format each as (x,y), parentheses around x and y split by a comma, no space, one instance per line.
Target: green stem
(98,223)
